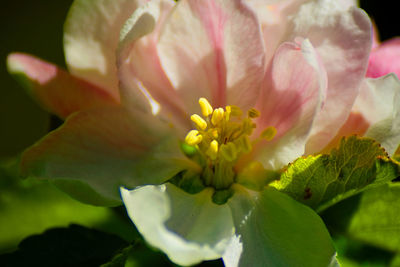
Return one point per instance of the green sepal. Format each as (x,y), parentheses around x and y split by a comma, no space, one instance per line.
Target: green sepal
(189,181)
(220,197)
(320,181)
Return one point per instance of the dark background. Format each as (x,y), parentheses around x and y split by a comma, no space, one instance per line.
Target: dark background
(36,27)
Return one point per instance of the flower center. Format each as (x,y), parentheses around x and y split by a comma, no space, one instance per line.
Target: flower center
(221,137)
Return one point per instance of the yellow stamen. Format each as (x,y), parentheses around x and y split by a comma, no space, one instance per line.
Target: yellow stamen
(253,113)
(217,116)
(228,112)
(236,111)
(244,144)
(213,150)
(269,133)
(199,121)
(229,151)
(205,106)
(193,138)
(214,133)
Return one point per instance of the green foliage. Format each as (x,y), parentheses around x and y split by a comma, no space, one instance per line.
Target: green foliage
(120,259)
(322,180)
(30,206)
(353,253)
(371,217)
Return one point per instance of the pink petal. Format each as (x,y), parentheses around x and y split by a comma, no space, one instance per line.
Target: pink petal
(375,36)
(54,88)
(385,59)
(91,34)
(342,38)
(274,18)
(139,66)
(292,95)
(207,52)
(356,124)
(106,148)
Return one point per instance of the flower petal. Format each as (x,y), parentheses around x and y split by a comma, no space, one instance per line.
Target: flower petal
(292,95)
(91,34)
(378,103)
(342,38)
(385,59)
(188,228)
(139,68)
(106,148)
(207,52)
(274,16)
(275,230)
(54,88)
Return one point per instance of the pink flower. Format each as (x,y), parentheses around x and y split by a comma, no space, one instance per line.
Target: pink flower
(384,57)
(263,82)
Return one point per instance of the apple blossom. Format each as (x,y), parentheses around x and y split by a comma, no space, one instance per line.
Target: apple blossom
(197,105)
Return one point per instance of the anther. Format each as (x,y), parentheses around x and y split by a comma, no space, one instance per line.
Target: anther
(213,150)
(193,138)
(205,106)
(269,133)
(228,111)
(236,111)
(199,121)
(253,113)
(214,133)
(229,151)
(217,116)
(244,144)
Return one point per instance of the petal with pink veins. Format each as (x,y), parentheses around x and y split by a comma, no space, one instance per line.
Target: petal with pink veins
(55,89)
(106,148)
(292,95)
(274,16)
(384,59)
(342,38)
(91,34)
(139,70)
(213,49)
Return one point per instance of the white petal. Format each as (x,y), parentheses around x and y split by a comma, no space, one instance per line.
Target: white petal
(378,102)
(188,228)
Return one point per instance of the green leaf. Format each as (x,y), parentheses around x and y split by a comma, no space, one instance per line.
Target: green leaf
(372,217)
(31,206)
(395,261)
(322,180)
(353,253)
(119,260)
(275,230)
(72,246)
(143,256)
